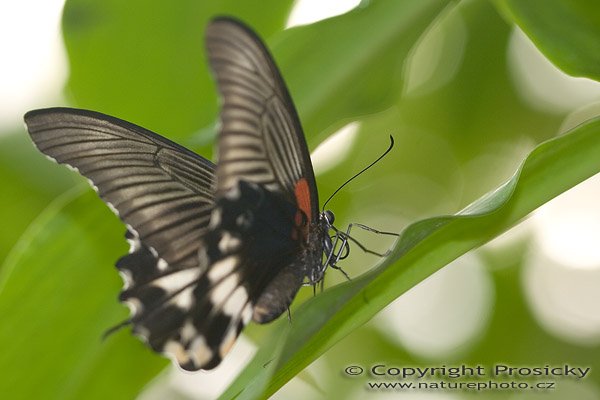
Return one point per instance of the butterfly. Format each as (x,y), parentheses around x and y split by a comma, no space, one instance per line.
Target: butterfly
(212,246)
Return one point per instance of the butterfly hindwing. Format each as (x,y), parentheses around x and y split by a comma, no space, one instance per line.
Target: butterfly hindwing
(261,143)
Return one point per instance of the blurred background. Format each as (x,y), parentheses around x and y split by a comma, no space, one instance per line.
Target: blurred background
(466,96)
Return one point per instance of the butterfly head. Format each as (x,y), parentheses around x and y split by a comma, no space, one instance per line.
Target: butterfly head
(333,245)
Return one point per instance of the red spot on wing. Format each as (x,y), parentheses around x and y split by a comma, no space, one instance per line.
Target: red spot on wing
(302,192)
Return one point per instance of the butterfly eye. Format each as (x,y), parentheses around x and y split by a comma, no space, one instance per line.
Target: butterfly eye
(329,217)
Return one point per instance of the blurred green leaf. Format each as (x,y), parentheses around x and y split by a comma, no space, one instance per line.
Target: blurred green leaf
(512,336)
(566,31)
(62,239)
(55,309)
(337,69)
(480,111)
(354,61)
(532,344)
(423,248)
(29,183)
(144,61)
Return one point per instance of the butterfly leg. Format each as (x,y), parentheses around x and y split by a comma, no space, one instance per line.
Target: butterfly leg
(342,271)
(340,254)
(320,282)
(368,228)
(347,237)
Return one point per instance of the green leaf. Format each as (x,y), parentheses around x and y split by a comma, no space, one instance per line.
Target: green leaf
(356,58)
(29,183)
(144,61)
(55,309)
(337,69)
(566,31)
(423,248)
(59,263)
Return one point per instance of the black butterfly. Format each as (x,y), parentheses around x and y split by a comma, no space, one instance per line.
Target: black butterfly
(212,246)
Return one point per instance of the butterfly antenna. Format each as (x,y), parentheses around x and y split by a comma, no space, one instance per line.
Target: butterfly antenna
(361,171)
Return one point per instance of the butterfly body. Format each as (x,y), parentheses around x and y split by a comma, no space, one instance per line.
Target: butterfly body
(212,246)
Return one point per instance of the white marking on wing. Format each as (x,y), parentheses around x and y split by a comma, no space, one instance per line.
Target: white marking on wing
(112,208)
(133,231)
(229,243)
(222,268)
(233,193)
(188,331)
(185,298)
(134,245)
(127,278)
(227,342)
(72,168)
(200,352)
(51,158)
(244,220)
(134,305)
(176,280)
(89,181)
(222,290)
(162,264)
(176,351)
(153,251)
(247,313)
(142,332)
(236,301)
(215,218)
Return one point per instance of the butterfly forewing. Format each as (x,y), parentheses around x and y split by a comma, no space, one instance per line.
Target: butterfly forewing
(159,188)
(260,138)
(261,144)
(164,193)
